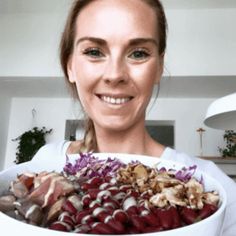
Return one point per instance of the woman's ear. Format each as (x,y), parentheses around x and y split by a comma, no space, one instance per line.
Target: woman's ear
(70,71)
(160,68)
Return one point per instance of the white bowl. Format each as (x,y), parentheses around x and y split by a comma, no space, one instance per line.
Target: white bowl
(211,226)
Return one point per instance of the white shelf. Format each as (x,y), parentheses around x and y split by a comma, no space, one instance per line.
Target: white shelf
(228,165)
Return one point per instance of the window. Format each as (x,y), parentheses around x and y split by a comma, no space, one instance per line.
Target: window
(162,132)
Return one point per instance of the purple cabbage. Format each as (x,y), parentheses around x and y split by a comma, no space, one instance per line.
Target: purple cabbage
(89,166)
(185,174)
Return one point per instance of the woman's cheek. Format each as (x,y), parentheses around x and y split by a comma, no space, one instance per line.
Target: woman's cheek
(145,75)
(88,72)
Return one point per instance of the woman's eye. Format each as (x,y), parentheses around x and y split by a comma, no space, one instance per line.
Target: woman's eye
(93,52)
(139,55)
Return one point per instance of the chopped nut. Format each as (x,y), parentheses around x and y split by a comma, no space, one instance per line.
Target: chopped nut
(159,200)
(164,189)
(211,198)
(194,193)
(174,195)
(140,172)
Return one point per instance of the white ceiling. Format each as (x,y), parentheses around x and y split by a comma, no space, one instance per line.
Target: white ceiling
(39,6)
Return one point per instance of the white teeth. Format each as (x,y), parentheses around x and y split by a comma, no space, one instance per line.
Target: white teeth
(114,100)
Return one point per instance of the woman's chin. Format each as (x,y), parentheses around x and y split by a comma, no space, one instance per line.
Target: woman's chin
(114,124)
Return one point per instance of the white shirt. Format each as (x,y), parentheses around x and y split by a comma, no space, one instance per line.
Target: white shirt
(57,152)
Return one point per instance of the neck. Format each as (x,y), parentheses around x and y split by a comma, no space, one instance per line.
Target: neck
(135,140)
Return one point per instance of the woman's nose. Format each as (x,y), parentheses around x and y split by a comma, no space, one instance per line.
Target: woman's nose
(115,72)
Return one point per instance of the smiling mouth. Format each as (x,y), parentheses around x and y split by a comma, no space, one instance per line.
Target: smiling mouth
(114,100)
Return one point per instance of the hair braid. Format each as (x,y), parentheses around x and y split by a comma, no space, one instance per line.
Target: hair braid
(89,142)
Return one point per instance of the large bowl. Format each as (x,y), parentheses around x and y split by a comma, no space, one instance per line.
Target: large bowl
(211,226)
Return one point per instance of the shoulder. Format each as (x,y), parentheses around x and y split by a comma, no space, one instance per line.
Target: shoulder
(53,150)
(174,155)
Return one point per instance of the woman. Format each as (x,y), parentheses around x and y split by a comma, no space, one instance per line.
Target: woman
(112,55)
(114,68)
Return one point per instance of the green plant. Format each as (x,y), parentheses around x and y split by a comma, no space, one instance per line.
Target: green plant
(230,149)
(29,143)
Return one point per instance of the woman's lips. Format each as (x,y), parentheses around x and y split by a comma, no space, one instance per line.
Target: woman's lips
(116,100)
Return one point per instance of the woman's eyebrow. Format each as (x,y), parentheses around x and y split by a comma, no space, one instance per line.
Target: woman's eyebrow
(91,39)
(131,42)
(137,41)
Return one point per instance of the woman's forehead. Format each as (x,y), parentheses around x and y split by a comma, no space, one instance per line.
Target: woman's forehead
(117,18)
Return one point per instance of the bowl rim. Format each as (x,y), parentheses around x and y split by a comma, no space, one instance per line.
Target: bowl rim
(221,208)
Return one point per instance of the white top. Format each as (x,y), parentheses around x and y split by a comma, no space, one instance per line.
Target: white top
(57,152)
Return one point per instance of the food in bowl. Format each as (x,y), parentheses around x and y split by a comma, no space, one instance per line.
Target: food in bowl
(97,196)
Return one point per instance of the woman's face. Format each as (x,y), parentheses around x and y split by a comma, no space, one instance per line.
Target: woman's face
(115,62)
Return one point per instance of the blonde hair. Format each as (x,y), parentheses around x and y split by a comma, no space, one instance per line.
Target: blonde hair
(89,142)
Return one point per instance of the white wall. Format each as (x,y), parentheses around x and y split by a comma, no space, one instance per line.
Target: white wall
(29,44)
(5,105)
(50,112)
(188,115)
(200,42)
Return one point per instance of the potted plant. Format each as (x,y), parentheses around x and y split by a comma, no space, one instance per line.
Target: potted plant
(29,143)
(230,149)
